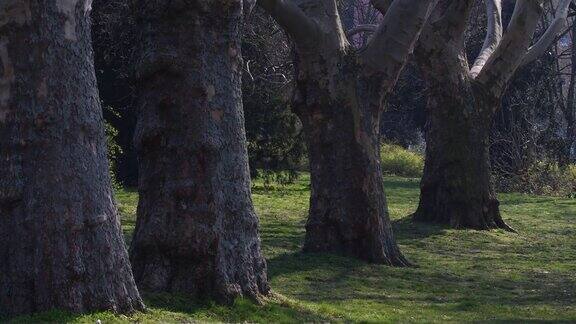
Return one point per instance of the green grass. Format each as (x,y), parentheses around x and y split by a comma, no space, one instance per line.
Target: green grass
(461,275)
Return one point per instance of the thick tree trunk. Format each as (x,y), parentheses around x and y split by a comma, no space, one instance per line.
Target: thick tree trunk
(197,232)
(456,188)
(61,246)
(340,95)
(348,210)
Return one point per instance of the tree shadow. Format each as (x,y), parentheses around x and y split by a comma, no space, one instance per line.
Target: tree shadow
(289,263)
(407,228)
(279,191)
(242,310)
(55,316)
(325,279)
(395,183)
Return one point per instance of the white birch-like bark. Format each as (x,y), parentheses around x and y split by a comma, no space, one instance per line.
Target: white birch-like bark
(493,35)
(556,28)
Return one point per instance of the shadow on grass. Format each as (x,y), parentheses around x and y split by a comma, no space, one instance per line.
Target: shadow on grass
(287,263)
(408,229)
(279,191)
(395,183)
(299,262)
(55,316)
(333,279)
(175,308)
(273,309)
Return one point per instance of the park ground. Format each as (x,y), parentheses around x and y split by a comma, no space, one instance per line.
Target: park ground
(462,276)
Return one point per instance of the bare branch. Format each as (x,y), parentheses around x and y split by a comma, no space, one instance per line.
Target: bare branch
(556,28)
(504,62)
(293,20)
(493,35)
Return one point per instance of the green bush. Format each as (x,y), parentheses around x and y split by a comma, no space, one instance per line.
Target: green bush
(399,161)
(113,148)
(571,172)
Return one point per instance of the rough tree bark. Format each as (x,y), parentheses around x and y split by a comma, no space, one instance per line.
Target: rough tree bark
(197,232)
(339,97)
(456,188)
(61,246)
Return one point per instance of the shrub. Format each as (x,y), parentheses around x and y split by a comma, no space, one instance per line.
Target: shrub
(541,178)
(113,148)
(399,161)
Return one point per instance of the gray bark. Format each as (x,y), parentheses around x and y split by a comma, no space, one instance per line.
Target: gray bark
(340,94)
(197,232)
(61,245)
(456,188)
(348,209)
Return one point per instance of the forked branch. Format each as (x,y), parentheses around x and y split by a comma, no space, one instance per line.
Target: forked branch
(514,49)
(493,35)
(292,19)
(508,56)
(556,28)
(446,27)
(396,36)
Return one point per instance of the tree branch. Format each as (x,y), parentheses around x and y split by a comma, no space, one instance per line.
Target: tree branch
(445,30)
(493,35)
(557,27)
(293,20)
(504,62)
(394,40)
(381,5)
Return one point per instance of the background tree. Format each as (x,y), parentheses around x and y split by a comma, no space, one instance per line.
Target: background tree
(569,106)
(196,232)
(564,57)
(275,144)
(456,188)
(60,240)
(528,137)
(338,97)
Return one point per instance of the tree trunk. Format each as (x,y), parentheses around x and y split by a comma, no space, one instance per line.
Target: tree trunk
(568,154)
(340,94)
(348,210)
(569,150)
(456,187)
(571,140)
(61,245)
(197,232)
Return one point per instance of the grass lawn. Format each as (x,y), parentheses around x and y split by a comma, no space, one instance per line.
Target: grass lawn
(462,275)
